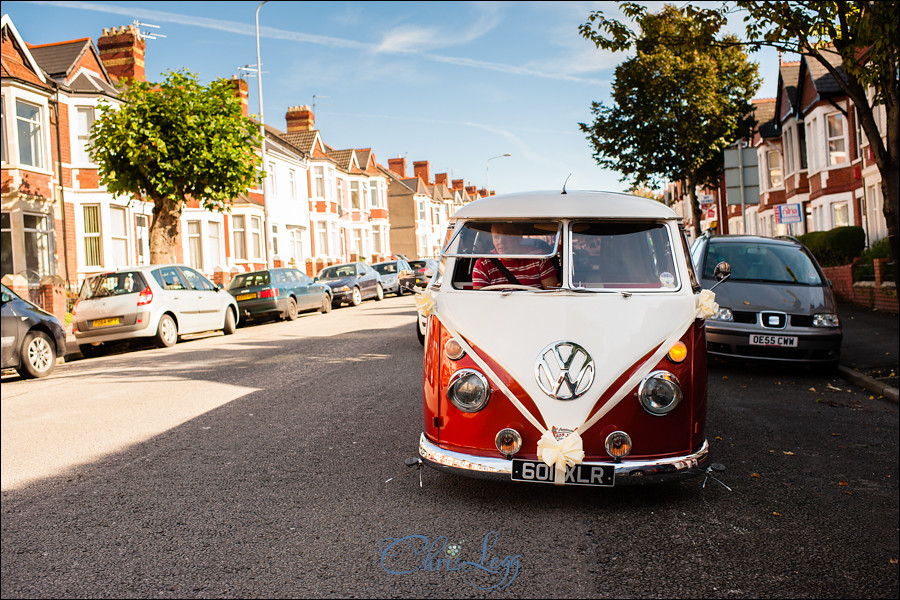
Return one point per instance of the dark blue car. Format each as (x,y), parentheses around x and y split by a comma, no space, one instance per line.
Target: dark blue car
(352,282)
(279,292)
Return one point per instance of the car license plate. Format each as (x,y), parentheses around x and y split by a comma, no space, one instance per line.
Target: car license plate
(105,322)
(246,297)
(773,340)
(530,470)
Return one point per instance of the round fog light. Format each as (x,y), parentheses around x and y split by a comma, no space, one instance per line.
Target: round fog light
(618,444)
(508,441)
(468,390)
(678,352)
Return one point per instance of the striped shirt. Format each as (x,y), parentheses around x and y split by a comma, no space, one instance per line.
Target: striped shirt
(528,271)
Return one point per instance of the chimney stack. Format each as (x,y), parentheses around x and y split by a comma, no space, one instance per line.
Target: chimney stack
(420,168)
(398,166)
(122,52)
(240,90)
(457,184)
(300,118)
(441,178)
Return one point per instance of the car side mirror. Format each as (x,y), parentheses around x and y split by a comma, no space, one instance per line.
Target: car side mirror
(722,273)
(5,298)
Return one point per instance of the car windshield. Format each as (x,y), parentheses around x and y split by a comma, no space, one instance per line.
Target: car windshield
(512,239)
(112,284)
(250,280)
(625,255)
(772,263)
(386,268)
(338,272)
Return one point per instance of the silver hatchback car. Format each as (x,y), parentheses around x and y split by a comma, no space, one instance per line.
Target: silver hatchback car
(154,301)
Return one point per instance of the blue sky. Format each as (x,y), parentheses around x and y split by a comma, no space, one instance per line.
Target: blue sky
(453,83)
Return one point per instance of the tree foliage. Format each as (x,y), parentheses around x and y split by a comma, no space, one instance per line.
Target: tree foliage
(174,141)
(677,103)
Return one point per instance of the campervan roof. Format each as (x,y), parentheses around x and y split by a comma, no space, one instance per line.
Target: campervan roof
(575,204)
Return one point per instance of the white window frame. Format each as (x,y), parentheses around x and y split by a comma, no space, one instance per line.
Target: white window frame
(119,239)
(195,244)
(80,153)
(43,245)
(35,134)
(142,238)
(774,175)
(842,138)
(255,233)
(319,181)
(91,238)
(213,253)
(239,237)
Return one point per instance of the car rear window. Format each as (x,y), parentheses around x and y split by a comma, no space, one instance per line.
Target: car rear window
(771,263)
(250,280)
(386,268)
(113,284)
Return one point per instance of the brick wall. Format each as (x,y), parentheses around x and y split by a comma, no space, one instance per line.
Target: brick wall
(866,294)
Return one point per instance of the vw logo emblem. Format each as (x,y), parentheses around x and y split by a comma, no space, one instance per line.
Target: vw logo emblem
(564,370)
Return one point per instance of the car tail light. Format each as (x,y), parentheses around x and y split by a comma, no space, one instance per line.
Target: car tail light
(268,293)
(145,297)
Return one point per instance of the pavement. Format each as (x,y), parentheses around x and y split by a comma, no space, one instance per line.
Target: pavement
(870,351)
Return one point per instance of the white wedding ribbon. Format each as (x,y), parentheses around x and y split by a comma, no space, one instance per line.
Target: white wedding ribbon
(560,454)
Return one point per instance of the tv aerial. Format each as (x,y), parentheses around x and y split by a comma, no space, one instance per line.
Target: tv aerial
(146,34)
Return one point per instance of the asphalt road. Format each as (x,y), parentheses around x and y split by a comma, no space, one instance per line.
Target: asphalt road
(257,465)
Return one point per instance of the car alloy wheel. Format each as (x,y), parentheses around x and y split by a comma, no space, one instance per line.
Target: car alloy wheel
(39,355)
(167,334)
(326,305)
(357,297)
(291,312)
(230,325)
(379,292)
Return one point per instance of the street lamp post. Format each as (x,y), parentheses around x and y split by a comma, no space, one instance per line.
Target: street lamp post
(262,129)
(488,173)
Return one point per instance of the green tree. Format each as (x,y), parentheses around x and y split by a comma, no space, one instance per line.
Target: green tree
(865,37)
(677,103)
(174,141)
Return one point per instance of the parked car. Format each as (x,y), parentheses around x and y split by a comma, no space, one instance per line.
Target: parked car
(397,276)
(777,306)
(424,269)
(283,291)
(154,301)
(33,339)
(592,372)
(352,282)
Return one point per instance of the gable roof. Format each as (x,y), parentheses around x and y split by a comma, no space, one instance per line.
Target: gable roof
(788,89)
(304,140)
(28,70)
(825,83)
(764,112)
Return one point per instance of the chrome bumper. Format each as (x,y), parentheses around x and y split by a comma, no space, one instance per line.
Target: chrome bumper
(627,472)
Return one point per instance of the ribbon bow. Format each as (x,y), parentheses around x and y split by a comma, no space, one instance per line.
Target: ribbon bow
(425,303)
(706,304)
(561,453)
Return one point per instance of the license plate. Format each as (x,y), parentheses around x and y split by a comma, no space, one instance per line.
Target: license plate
(536,471)
(245,297)
(773,340)
(105,322)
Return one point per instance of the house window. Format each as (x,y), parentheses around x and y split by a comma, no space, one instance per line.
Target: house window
(789,150)
(3,133)
(142,238)
(271,188)
(354,195)
(256,237)
(373,194)
(274,239)
(340,191)
(6,257)
(297,247)
(801,139)
(320,181)
(28,129)
(813,136)
(195,244)
(84,118)
(837,145)
(92,256)
(213,243)
(239,242)
(322,239)
(37,246)
(840,214)
(292,176)
(859,133)
(773,160)
(119,236)
(421,206)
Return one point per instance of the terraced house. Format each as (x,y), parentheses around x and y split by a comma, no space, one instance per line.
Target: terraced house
(321,205)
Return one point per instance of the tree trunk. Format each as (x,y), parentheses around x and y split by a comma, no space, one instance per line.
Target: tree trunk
(164,231)
(890,191)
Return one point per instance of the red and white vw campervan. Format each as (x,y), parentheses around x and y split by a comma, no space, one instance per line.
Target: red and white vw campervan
(593,376)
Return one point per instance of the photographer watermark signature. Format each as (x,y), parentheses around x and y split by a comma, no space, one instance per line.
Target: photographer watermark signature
(401,556)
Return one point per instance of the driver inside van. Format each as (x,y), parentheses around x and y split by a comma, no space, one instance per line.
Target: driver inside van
(508,239)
